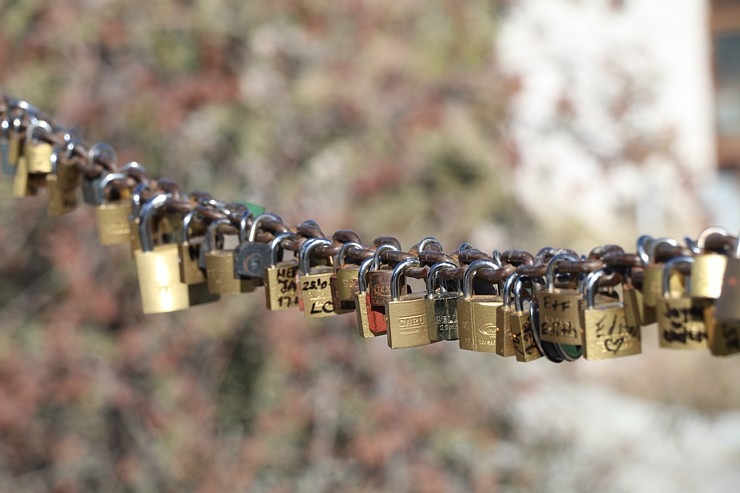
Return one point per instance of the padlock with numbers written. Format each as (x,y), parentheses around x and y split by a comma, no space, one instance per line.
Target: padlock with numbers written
(607,334)
(158,267)
(441,306)
(281,286)
(476,314)
(313,282)
(525,345)
(406,314)
(680,319)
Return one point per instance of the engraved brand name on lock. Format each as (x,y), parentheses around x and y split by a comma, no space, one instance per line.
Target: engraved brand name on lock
(412,322)
(349,283)
(382,289)
(487,329)
(119,228)
(255,262)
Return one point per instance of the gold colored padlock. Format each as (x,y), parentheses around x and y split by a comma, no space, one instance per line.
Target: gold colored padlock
(504,336)
(406,314)
(560,316)
(476,314)
(37,152)
(63,183)
(21,184)
(680,319)
(708,269)
(525,345)
(220,265)
(653,276)
(314,282)
(281,287)
(158,268)
(112,217)
(345,279)
(607,334)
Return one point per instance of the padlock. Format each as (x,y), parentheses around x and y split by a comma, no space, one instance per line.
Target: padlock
(135,217)
(62,183)
(728,303)
(504,337)
(476,314)
(91,192)
(560,318)
(680,319)
(281,286)
(15,142)
(8,166)
(22,186)
(379,290)
(158,267)
(723,337)
(190,271)
(525,346)
(112,217)
(441,307)
(220,274)
(607,334)
(406,314)
(314,282)
(708,268)
(38,152)
(343,281)
(632,299)
(251,257)
(653,276)
(362,301)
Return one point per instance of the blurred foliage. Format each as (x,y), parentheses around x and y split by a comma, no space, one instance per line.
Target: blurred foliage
(379,116)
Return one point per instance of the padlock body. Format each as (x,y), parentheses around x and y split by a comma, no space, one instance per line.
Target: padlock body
(525,347)
(220,274)
(407,322)
(159,280)
(281,287)
(707,272)
(61,200)
(200,295)
(38,157)
(21,186)
(560,316)
(361,310)
(112,220)
(723,337)
(633,306)
(251,259)
(441,311)
(379,287)
(190,272)
(728,303)
(347,282)
(91,193)
(316,292)
(504,339)
(476,321)
(680,324)
(607,334)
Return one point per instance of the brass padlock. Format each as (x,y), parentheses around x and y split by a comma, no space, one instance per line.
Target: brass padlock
(22,186)
(632,299)
(314,281)
(345,279)
(680,320)
(653,276)
(406,314)
(379,291)
(476,314)
(525,346)
(251,257)
(728,303)
(91,192)
(135,217)
(38,152)
(15,142)
(504,336)
(606,334)
(441,307)
(62,183)
(112,217)
(158,268)
(220,274)
(190,271)
(560,316)
(281,286)
(362,301)
(708,268)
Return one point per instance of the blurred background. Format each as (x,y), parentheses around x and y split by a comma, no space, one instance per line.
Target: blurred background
(509,124)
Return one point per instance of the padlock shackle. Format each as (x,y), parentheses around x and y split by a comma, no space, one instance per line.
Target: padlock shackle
(212,233)
(256,224)
(145,223)
(427,242)
(305,253)
(665,285)
(590,285)
(365,267)
(517,290)
(31,129)
(473,267)
(186,220)
(655,242)
(508,285)
(380,249)
(552,265)
(243,222)
(433,274)
(133,165)
(107,180)
(136,196)
(397,275)
(275,246)
(342,253)
(99,148)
